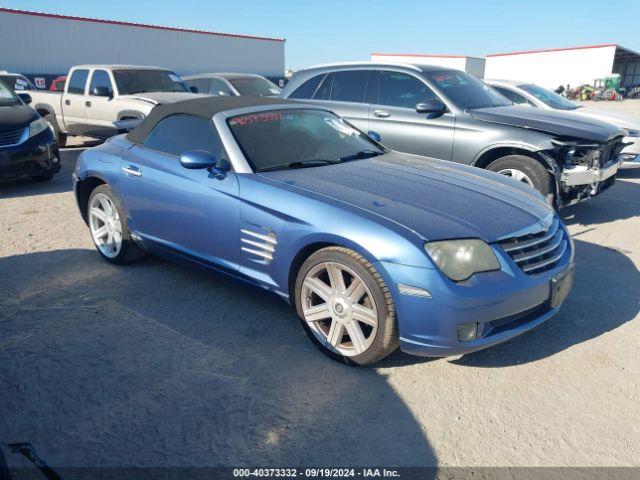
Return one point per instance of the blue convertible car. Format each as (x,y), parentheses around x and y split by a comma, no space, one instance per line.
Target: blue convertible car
(374,248)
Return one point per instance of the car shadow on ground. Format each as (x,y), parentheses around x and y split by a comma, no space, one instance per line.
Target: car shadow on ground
(155,364)
(620,202)
(605,296)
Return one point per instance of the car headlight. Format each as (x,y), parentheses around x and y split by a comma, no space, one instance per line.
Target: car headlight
(633,133)
(37,126)
(459,259)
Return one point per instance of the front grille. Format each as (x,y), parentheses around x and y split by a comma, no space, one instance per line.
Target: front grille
(11,137)
(537,252)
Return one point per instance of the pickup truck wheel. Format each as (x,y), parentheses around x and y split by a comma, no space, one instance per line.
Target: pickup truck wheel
(526,170)
(109,230)
(345,307)
(61,138)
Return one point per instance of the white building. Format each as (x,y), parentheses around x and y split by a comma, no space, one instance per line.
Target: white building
(47,45)
(561,66)
(472,65)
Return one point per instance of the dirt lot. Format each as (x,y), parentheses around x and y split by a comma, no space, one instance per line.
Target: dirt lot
(160,365)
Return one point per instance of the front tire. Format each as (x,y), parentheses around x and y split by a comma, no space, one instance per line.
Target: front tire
(61,138)
(528,171)
(345,307)
(109,230)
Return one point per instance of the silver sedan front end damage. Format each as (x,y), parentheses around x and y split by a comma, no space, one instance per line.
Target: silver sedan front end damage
(586,169)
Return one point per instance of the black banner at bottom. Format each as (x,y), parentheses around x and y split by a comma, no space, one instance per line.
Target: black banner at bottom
(405,473)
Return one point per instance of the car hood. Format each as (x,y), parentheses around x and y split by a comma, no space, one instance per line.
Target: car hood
(15,116)
(549,121)
(624,121)
(436,199)
(159,98)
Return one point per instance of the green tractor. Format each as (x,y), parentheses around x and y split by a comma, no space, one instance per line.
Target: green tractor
(608,88)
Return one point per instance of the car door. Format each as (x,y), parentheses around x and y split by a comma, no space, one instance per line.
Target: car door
(177,209)
(393,116)
(345,93)
(101,109)
(73,102)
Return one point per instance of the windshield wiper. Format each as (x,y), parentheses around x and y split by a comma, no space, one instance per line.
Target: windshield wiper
(361,155)
(304,164)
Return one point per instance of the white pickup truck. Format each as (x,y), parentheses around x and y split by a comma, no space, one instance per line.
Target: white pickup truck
(101,100)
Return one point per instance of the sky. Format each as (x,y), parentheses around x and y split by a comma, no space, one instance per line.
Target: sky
(324,31)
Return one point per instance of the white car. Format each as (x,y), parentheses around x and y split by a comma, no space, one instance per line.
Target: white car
(522,93)
(102,100)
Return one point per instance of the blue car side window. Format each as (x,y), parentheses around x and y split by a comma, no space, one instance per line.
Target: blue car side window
(180,133)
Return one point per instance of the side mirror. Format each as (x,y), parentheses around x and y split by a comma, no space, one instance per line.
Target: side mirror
(201,159)
(431,106)
(25,97)
(101,92)
(374,136)
(193,89)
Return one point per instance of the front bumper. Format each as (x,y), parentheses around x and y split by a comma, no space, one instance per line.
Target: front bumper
(38,155)
(583,175)
(578,183)
(504,304)
(630,155)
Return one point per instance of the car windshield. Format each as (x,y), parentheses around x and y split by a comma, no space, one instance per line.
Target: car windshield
(7,96)
(141,81)
(465,91)
(17,82)
(299,138)
(550,98)
(255,86)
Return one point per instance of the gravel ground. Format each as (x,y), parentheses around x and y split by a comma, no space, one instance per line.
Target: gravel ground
(156,364)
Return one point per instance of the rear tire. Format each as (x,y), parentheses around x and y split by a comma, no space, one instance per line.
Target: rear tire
(109,229)
(357,305)
(531,173)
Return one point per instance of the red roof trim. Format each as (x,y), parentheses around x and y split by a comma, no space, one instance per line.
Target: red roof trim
(418,55)
(132,24)
(525,52)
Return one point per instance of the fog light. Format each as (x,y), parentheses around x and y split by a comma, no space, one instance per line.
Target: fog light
(55,160)
(467,332)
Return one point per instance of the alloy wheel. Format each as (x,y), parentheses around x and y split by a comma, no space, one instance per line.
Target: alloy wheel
(104,222)
(339,308)
(516,175)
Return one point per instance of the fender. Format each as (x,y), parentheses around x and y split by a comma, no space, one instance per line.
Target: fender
(540,150)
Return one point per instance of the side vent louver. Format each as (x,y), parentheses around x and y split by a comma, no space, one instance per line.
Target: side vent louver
(259,244)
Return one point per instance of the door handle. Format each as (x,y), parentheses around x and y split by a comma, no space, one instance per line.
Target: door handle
(381,113)
(132,170)
(87,104)
(67,102)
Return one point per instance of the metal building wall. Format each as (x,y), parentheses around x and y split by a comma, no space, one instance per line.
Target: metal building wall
(50,45)
(552,68)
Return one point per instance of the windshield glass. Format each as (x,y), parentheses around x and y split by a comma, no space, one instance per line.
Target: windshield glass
(17,82)
(550,98)
(255,86)
(7,97)
(465,91)
(140,81)
(298,138)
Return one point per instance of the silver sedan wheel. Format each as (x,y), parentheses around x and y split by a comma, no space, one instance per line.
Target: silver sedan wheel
(105,226)
(516,175)
(339,308)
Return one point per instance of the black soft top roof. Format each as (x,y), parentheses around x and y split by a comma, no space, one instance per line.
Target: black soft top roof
(205,107)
